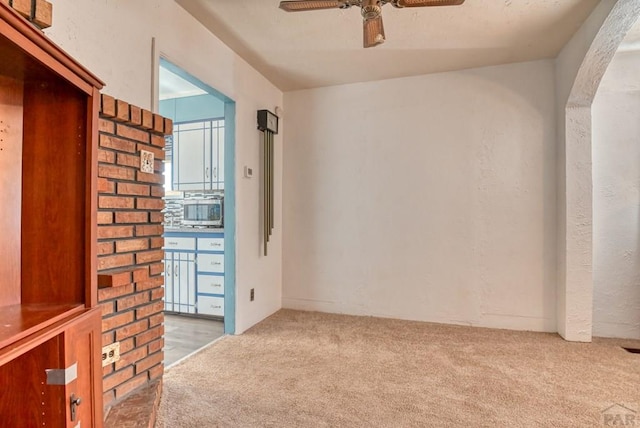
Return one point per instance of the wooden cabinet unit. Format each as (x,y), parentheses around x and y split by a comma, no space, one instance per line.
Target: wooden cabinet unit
(50,355)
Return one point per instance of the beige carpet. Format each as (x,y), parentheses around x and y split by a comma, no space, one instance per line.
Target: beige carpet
(301,369)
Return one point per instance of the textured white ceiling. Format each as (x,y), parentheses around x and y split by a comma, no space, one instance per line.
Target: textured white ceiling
(322,48)
(173,86)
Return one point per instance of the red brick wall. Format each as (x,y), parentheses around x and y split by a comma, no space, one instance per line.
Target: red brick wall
(39,12)
(130,245)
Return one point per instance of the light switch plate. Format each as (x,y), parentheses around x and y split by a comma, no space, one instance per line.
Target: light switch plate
(248,172)
(146,161)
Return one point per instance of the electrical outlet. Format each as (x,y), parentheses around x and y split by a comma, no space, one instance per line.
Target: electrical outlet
(252,295)
(110,354)
(146,161)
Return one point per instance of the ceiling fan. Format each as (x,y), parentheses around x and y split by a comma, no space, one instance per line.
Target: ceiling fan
(371,12)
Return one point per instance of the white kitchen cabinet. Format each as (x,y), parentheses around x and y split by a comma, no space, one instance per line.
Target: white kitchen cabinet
(210,296)
(210,305)
(168,282)
(187,281)
(213,263)
(211,244)
(219,144)
(180,282)
(198,156)
(191,156)
(179,244)
(194,272)
(211,284)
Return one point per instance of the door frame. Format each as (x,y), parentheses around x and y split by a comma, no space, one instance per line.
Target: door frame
(229,175)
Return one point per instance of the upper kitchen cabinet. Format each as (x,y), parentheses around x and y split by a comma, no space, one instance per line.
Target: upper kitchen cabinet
(198,155)
(50,356)
(195,152)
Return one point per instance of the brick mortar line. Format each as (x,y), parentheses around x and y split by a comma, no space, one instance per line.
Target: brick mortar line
(131,309)
(136,127)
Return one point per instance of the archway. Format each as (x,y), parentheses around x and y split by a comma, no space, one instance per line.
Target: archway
(578,82)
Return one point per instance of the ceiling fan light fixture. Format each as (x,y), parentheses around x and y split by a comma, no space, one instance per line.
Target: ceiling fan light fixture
(373,32)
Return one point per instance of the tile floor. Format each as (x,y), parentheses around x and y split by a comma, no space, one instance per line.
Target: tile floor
(184,335)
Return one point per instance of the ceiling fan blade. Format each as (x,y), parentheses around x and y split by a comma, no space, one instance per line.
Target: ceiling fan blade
(302,5)
(423,3)
(373,32)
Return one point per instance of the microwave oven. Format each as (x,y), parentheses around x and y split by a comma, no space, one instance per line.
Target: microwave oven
(203,212)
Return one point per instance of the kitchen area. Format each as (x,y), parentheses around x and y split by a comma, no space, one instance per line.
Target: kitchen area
(194,239)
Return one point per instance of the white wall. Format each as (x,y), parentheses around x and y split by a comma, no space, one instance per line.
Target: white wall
(616,200)
(579,69)
(427,198)
(114,39)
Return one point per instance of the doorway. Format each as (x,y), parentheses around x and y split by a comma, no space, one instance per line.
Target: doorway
(199,214)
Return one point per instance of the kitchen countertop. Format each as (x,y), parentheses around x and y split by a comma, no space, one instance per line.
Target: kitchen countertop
(193,230)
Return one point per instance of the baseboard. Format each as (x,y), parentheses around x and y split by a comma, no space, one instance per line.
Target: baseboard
(506,322)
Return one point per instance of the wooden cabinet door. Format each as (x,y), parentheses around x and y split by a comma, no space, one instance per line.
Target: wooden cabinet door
(37,386)
(26,397)
(83,347)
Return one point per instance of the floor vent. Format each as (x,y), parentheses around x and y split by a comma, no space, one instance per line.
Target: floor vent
(632,350)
